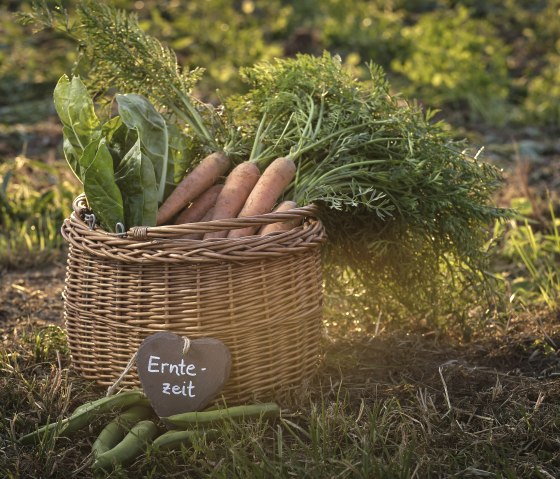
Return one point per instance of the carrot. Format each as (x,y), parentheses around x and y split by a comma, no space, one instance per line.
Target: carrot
(239,184)
(281,225)
(200,206)
(207,217)
(270,186)
(204,175)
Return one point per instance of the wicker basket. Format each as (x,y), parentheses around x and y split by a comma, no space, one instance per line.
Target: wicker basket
(260,295)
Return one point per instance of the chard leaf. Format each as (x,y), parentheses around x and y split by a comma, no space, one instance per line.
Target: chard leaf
(138,113)
(111,127)
(102,193)
(120,139)
(72,151)
(136,180)
(77,114)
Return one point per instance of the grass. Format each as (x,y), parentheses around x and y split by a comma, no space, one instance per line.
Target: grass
(395,405)
(35,197)
(532,247)
(392,401)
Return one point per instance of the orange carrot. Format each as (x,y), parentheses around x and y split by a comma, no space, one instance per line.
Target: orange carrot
(206,217)
(200,206)
(239,184)
(281,225)
(270,186)
(202,177)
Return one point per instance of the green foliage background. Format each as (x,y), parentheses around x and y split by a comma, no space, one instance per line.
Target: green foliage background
(496,60)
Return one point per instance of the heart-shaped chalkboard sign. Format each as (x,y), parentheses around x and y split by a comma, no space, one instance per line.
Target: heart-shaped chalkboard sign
(179,375)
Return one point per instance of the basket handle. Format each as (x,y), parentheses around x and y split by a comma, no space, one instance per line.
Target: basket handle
(143,233)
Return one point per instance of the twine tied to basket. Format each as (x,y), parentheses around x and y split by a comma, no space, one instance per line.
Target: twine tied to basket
(111,389)
(139,233)
(186,345)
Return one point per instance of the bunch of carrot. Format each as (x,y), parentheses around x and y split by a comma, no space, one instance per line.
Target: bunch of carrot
(245,192)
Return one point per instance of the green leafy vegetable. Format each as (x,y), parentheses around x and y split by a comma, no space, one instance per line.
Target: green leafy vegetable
(137,113)
(80,123)
(118,162)
(402,201)
(181,148)
(120,139)
(100,187)
(136,180)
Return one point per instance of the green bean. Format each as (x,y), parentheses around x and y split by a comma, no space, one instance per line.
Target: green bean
(133,444)
(99,402)
(83,416)
(189,419)
(173,439)
(116,430)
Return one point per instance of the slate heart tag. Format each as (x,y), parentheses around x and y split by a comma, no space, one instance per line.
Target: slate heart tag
(177,382)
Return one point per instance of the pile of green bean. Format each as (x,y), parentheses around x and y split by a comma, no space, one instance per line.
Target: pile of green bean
(136,426)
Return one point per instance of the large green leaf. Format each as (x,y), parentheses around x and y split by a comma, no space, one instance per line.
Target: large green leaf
(138,113)
(87,157)
(120,139)
(72,151)
(77,114)
(136,179)
(102,193)
(110,127)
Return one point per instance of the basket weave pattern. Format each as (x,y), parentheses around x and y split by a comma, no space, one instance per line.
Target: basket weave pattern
(260,295)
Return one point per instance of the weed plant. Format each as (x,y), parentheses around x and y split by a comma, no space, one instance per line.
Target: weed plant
(456,60)
(542,104)
(532,252)
(35,197)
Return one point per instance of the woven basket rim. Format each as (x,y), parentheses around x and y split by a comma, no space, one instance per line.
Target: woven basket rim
(140,233)
(165,244)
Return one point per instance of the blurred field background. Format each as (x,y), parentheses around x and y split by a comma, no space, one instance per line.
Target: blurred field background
(468,393)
